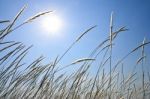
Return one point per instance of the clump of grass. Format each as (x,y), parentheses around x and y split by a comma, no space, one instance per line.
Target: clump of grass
(45,81)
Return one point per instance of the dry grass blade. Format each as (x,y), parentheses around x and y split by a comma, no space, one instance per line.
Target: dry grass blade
(1,43)
(17,16)
(75,43)
(30,20)
(82,60)
(7,30)
(9,54)
(143,74)
(36,16)
(105,61)
(85,33)
(140,59)
(146,43)
(9,46)
(100,45)
(114,35)
(76,62)
(140,46)
(122,29)
(111,28)
(4,21)
(110,41)
(130,77)
(35,62)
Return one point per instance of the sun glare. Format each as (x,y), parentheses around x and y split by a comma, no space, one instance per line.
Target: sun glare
(51,24)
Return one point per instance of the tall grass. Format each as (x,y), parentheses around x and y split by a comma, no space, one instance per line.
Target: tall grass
(45,81)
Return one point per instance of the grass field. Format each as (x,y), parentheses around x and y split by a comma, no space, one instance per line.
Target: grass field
(46,81)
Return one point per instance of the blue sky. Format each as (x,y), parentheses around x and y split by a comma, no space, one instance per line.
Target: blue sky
(79,15)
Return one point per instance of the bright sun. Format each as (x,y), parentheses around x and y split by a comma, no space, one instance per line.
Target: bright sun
(51,23)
